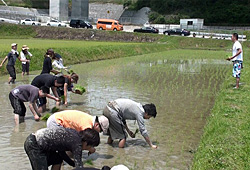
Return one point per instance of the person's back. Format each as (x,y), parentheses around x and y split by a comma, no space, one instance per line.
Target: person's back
(74,119)
(47,80)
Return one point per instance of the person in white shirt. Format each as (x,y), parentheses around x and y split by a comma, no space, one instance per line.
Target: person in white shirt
(58,62)
(24,55)
(237,59)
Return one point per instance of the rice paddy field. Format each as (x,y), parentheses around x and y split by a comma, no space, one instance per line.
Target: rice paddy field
(202,123)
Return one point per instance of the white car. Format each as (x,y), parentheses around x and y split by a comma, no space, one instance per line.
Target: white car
(29,22)
(55,23)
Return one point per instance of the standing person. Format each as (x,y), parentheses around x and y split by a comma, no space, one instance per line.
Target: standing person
(49,81)
(79,121)
(237,59)
(58,62)
(47,63)
(47,147)
(26,93)
(120,110)
(24,54)
(12,56)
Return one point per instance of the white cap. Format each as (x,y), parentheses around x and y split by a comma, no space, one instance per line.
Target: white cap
(13,44)
(119,167)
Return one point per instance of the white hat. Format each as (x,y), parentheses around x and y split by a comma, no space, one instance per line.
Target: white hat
(119,167)
(25,47)
(13,44)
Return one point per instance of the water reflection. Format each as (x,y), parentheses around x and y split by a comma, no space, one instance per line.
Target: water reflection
(183,91)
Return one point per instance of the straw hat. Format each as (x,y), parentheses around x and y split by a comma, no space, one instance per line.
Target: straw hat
(25,47)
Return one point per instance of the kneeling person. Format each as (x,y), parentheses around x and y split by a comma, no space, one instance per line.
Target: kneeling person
(26,93)
(47,146)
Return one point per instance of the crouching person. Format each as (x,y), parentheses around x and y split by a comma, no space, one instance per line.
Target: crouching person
(26,93)
(120,110)
(48,147)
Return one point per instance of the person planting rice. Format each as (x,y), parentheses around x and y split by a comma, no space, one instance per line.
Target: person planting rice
(48,147)
(237,59)
(68,86)
(12,56)
(49,81)
(120,110)
(26,93)
(79,121)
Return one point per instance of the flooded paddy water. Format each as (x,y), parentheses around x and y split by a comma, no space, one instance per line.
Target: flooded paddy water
(182,88)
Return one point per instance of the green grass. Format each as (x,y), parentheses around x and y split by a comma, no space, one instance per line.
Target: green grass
(75,52)
(225,143)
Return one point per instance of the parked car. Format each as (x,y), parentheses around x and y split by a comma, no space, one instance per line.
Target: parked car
(147,30)
(55,23)
(182,32)
(77,23)
(108,24)
(29,22)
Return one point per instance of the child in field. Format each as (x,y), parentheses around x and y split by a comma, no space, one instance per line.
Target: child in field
(24,54)
(48,146)
(26,93)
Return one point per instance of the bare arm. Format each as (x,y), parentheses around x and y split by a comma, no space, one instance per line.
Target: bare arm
(3,61)
(131,134)
(65,88)
(23,60)
(149,142)
(238,53)
(56,96)
(34,110)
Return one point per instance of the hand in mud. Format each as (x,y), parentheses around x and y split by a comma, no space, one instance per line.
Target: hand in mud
(57,99)
(154,146)
(37,118)
(66,104)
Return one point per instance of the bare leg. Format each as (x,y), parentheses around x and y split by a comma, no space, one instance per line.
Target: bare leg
(22,74)
(56,167)
(110,141)
(122,143)
(237,82)
(16,117)
(10,78)
(28,73)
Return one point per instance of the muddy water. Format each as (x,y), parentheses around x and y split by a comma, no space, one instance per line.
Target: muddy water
(182,89)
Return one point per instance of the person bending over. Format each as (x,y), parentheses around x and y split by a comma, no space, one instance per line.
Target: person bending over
(48,147)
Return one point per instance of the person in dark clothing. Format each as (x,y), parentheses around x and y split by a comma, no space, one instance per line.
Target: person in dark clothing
(49,81)
(12,56)
(47,63)
(47,146)
(26,93)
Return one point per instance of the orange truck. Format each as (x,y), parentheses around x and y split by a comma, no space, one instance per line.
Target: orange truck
(109,24)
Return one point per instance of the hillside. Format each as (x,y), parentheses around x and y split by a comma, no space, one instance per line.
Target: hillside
(222,12)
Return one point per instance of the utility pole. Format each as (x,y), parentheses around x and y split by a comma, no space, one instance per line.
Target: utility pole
(4,3)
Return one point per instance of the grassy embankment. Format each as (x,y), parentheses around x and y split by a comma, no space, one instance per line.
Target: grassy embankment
(225,143)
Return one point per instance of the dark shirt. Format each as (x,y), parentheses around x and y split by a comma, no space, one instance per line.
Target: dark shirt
(26,93)
(47,65)
(12,58)
(46,80)
(61,139)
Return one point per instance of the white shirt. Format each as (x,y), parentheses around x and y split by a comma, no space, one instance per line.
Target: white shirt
(236,47)
(58,64)
(23,56)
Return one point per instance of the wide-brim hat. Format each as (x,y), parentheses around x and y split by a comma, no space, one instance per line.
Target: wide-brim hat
(25,47)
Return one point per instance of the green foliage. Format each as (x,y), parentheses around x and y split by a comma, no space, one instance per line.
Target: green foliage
(12,30)
(214,12)
(45,117)
(79,89)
